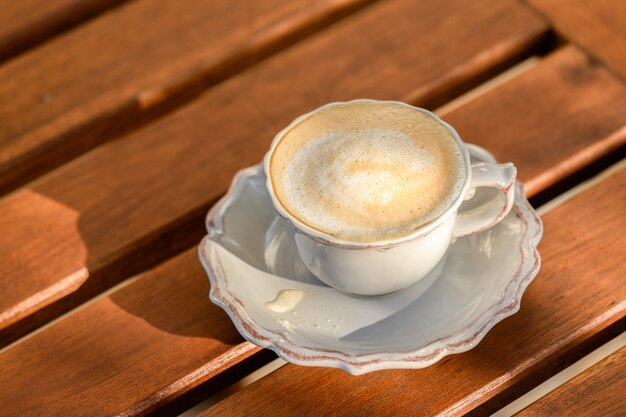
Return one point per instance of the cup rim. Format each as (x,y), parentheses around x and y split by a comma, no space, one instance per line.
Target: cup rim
(328,239)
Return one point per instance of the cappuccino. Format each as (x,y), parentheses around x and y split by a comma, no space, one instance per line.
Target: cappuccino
(367,171)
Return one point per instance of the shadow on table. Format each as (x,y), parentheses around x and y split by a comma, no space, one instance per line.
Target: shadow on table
(514,334)
(74,249)
(174,299)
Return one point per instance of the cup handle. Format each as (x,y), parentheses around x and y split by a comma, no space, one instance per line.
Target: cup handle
(475,219)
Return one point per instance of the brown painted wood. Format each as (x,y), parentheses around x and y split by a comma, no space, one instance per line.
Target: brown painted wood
(164,319)
(570,106)
(136,200)
(598,391)
(26,23)
(147,346)
(132,64)
(596,25)
(577,302)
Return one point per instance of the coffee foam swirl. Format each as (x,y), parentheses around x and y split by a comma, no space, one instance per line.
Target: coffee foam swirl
(377,171)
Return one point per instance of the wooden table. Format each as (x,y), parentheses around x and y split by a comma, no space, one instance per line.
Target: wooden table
(122,122)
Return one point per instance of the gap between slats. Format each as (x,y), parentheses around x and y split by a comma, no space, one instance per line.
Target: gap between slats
(562,377)
(538,392)
(593,26)
(36,32)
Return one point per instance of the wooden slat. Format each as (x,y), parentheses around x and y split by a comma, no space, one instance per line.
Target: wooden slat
(597,25)
(598,391)
(169,304)
(572,108)
(133,63)
(135,200)
(136,350)
(25,23)
(577,300)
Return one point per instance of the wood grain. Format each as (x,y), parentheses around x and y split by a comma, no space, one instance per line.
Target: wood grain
(598,391)
(569,105)
(134,201)
(132,64)
(26,23)
(147,346)
(163,319)
(577,302)
(597,25)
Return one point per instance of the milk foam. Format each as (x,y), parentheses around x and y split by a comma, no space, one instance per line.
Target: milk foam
(366,171)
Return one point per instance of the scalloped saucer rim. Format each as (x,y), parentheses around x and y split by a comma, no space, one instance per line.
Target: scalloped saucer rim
(249,261)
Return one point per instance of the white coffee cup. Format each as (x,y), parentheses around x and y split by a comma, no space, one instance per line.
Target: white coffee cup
(386,266)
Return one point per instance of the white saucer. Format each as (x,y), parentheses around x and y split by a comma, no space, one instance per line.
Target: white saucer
(250,258)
